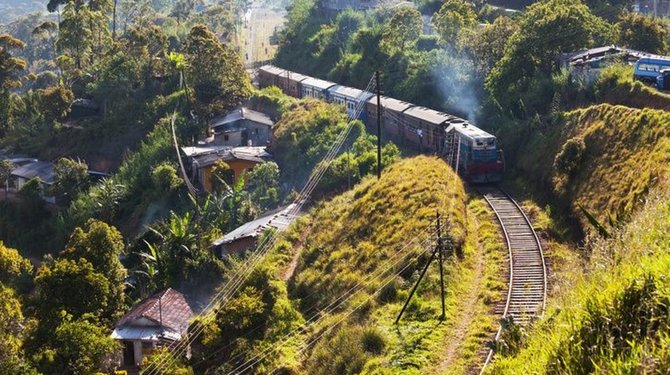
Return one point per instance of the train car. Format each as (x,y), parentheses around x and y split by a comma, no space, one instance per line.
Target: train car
(269,75)
(393,119)
(289,82)
(473,153)
(426,128)
(351,98)
(316,88)
(647,69)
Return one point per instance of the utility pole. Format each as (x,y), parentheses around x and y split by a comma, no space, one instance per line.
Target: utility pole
(441,251)
(438,248)
(379,125)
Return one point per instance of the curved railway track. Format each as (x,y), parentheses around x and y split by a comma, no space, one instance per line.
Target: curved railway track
(527,293)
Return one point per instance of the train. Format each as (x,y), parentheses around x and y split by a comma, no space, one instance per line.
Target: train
(472,152)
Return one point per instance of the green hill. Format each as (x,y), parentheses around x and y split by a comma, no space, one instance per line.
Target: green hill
(362,249)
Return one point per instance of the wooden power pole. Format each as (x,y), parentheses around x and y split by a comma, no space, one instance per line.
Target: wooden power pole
(379,125)
(438,249)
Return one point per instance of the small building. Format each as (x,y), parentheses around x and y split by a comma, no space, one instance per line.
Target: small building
(45,171)
(588,63)
(82,108)
(246,236)
(242,127)
(240,160)
(156,321)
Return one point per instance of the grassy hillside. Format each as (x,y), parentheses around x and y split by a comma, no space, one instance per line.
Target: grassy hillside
(604,158)
(350,264)
(616,318)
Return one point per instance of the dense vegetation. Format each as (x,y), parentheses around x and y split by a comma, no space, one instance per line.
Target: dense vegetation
(324,300)
(351,279)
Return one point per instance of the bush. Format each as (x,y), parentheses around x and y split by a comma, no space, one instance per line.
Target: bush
(165,178)
(373,341)
(570,157)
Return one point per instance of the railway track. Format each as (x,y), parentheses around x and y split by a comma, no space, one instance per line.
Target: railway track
(527,293)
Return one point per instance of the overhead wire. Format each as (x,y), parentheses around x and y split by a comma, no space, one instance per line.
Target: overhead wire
(239,277)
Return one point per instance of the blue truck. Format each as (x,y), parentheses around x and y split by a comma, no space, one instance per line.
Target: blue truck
(653,71)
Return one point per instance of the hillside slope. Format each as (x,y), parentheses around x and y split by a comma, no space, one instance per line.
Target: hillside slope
(359,255)
(605,158)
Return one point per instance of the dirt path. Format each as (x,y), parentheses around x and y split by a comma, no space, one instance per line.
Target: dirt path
(464,319)
(288,272)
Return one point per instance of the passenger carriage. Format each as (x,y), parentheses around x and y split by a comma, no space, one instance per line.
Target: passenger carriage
(316,88)
(351,98)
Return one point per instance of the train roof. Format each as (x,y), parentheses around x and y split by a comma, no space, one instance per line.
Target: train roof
(272,69)
(296,76)
(391,103)
(427,114)
(318,83)
(350,92)
(467,129)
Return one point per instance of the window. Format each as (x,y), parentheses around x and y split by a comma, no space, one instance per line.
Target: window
(225,137)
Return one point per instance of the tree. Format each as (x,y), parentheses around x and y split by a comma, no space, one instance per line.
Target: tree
(453,16)
(56,102)
(222,177)
(101,245)
(6,168)
(215,73)
(10,68)
(78,347)
(263,184)
(403,29)
(487,45)
(70,177)
(182,9)
(69,287)
(12,265)
(533,48)
(11,334)
(643,33)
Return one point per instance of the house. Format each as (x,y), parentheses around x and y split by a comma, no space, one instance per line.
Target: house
(156,321)
(246,236)
(27,171)
(590,62)
(241,127)
(82,108)
(240,159)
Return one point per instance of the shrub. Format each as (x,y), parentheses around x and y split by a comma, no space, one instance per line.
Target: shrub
(165,178)
(570,157)
(373,341)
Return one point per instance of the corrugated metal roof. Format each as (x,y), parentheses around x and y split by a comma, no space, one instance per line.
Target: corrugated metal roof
(429,115)
(41,169)
(318,83)
(278,220)
(209,155)
(241,114)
